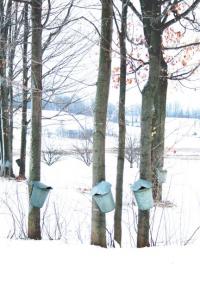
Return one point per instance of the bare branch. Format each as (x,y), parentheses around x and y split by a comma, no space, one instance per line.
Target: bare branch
(184,75)
(58,30)
(22,1)
(97,30)
(182,46)
(48,14)
(180,16)
(116,24)
(136,12)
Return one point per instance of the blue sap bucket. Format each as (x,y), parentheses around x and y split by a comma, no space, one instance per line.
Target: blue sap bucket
(103,197)
(161,175)
(142,190)
(39,193)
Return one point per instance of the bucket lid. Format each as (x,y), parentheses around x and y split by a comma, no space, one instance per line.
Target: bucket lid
(41,185)
(101,188)
(141,183)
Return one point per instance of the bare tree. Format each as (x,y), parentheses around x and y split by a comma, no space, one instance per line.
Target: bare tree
(122,124)
(98,228)
(34,231)
(156,17)
(62,54)
(51,155)
(83,151)
(5,16)
(132,150)
(25,98)
(150,11)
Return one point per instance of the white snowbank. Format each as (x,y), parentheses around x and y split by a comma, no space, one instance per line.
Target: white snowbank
(54,270)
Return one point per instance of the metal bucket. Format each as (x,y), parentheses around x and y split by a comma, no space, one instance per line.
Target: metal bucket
(161,175)
(18,162)
(142,190)
(103,197)
(39,193)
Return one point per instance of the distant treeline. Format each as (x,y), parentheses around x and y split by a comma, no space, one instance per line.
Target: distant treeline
(78,106)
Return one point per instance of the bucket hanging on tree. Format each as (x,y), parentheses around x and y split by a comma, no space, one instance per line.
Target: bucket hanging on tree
(39,193)
(161,175)
(142,190)
(103,197)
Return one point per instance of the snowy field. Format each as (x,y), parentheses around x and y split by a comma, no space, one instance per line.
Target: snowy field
(55,270)
(71,268)
(67,213)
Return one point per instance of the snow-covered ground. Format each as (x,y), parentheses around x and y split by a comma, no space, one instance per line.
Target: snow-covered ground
(71,268)
(67,213)
(55,270)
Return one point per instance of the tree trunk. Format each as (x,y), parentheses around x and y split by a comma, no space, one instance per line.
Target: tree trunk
(34,231)
(150,13)
(98,227)
(122,127)
(4,26)
(22,168)
(1,141)
(13,33)
(4,119)
(158,129)
(10,134)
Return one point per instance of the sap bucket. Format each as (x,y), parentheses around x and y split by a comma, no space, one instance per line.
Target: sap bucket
(39,193)
(18,162)
(161,175)
(103,197)
(142,190)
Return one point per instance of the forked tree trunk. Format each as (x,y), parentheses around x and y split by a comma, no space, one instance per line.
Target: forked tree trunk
(151,22)
(122,127)
(158,129)
(98,227)
(22,168)
(34,231)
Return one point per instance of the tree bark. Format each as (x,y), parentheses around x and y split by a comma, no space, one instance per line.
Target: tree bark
(5,15)
(98,226)
(122,127)
(150,12)
(24,123)
(158,129)
(13,34)
(34,231)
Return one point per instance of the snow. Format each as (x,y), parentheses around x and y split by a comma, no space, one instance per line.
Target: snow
(67,213)
(71,181)
(67,267)
(55,270)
